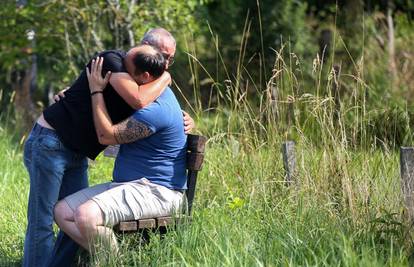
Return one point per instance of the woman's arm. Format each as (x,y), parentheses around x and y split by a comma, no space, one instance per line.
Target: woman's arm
(126,131)
(138,96)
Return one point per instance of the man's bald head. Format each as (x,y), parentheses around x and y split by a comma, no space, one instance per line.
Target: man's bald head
(158,37)
(161,39)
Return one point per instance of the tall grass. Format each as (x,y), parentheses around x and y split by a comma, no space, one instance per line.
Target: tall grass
(344,209)
(13,200)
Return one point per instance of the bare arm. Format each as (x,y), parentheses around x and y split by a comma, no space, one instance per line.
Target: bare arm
(138,96)
(59,95)
(126,131)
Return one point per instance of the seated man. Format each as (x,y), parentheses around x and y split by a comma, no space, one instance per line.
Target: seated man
(149,173)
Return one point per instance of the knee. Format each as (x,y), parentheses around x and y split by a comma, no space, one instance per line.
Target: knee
(84,220)
(61,211)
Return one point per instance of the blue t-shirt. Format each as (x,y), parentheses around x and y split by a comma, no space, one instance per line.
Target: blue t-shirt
(161,157)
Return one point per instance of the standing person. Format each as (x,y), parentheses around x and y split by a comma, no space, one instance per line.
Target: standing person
(150,169)
(64,136)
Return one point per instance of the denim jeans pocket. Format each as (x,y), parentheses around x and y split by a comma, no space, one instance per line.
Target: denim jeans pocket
(49,142)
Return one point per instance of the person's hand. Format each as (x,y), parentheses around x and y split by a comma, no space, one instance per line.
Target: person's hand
(96,82)
(188,122)
(60,95)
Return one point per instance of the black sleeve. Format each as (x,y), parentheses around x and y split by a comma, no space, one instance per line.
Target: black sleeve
(113,61)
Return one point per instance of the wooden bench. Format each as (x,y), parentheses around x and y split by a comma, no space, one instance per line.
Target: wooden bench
(195,157)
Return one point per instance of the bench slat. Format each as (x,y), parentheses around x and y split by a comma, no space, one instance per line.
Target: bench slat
(127,226)
(146,223)
(133,226)
(164,221)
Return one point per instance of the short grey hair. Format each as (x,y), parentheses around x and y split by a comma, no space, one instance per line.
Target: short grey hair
(158,37)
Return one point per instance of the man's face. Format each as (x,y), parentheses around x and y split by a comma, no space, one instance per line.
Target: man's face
(167,48)
(168,52)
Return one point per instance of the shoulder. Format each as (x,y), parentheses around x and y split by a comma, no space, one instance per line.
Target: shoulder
(167,96)
(159,112)
(112,54)
(113,60)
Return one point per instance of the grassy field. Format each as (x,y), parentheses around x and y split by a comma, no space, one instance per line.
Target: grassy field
(345,209)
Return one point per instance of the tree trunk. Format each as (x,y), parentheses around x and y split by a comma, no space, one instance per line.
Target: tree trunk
(129,27)
(391,44)
(325,42)
(24,107)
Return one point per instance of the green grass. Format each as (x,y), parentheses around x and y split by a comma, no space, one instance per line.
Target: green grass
(13,199)
(344,210)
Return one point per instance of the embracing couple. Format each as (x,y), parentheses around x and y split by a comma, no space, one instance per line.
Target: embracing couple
(131,105)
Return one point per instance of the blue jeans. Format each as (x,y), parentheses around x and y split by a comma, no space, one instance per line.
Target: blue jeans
(55,172)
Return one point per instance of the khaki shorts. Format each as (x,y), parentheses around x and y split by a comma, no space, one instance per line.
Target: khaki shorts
(138,199)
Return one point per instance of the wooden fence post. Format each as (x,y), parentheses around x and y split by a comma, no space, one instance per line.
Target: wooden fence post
(407,176)
(325,43)
(273,103)
(290,114)
(289,161)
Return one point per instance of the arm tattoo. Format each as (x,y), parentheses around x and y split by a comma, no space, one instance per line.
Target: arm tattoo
(130,130)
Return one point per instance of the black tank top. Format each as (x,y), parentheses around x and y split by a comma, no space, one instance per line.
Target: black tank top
(72,116)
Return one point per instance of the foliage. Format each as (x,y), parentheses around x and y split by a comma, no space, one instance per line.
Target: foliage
(259,28)
(67,34)
(345,207)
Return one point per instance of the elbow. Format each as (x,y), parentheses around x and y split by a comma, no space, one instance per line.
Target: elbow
(105,140)
(138,104)
(101,140)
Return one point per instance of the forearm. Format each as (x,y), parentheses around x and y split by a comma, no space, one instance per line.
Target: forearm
(138,96)
(150,91)
(102,121)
